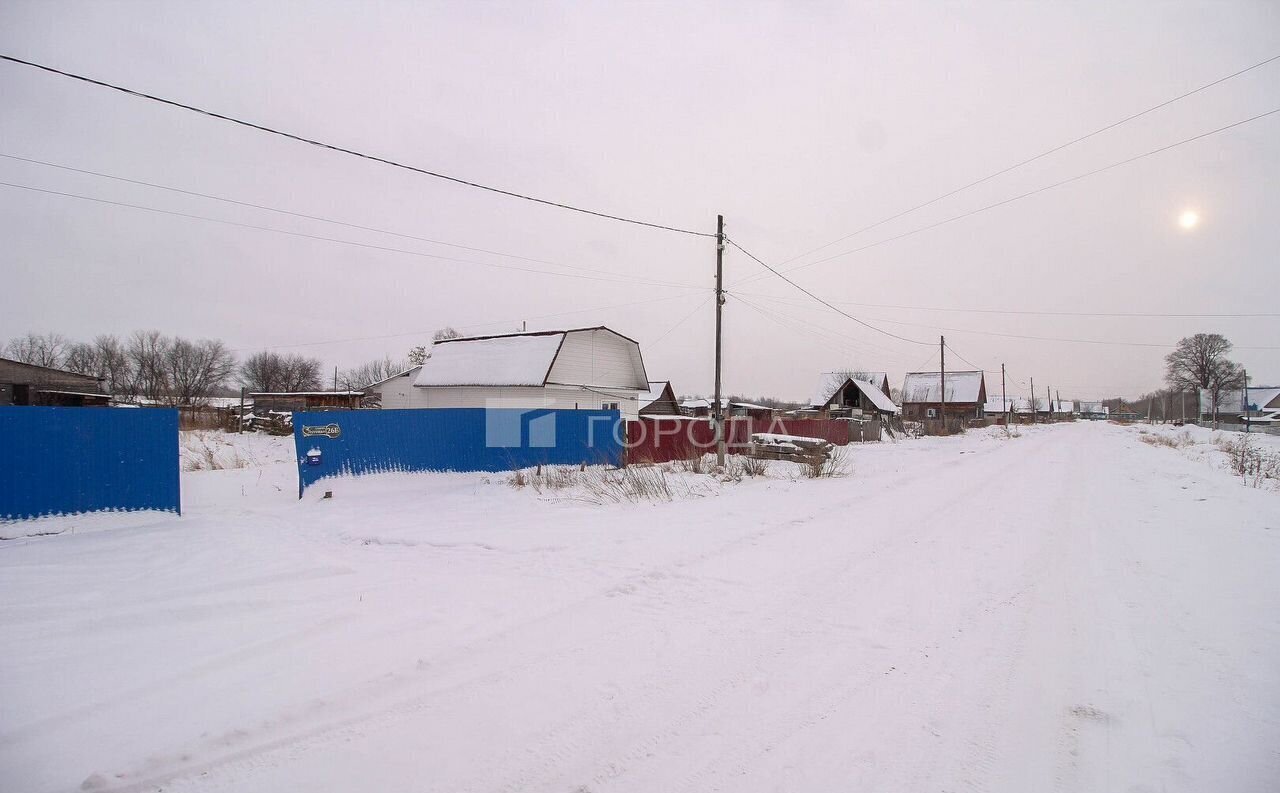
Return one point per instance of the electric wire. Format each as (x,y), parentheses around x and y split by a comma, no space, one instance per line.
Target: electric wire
(352,152)
(249,204)
(341,241)
(1018,197)
(1039,156)
(819,299)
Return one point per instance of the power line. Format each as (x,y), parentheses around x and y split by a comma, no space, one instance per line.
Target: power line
(292,213)
(1130,314)
(682,320)
(352,152)
(1039,156)
(819,299)
(339,240)
(1027,194)
(1046,338)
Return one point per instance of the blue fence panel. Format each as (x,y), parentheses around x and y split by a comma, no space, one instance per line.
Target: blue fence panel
(67,460)
(451,439)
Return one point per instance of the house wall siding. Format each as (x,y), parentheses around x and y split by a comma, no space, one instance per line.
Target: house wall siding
(398,393)
(598,358)
(528,398)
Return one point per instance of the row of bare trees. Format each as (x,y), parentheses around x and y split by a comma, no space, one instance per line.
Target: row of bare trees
(170,370)
(146,364)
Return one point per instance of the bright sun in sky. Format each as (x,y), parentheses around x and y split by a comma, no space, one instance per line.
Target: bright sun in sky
(1189,219)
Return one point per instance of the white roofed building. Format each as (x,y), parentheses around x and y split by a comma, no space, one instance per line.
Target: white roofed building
(965,397)
(841,394)
(575,369)
(1236,402)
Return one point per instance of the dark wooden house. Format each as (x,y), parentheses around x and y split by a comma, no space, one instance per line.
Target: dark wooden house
(28,384)
(291,401)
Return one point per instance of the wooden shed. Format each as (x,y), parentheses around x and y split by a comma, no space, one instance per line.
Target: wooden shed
(290,401)
(29,384)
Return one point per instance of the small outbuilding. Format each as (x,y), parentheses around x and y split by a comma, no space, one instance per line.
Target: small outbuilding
(293,401)
(659,400)
(29,384)
(839,395)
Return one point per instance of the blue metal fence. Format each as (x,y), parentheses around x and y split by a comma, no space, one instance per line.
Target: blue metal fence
(451,439)
(68,460)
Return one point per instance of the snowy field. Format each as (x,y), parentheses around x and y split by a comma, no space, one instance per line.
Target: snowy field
(1078,608)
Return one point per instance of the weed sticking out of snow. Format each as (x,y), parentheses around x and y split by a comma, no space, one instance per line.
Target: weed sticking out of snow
(1179,441)
(1254,465)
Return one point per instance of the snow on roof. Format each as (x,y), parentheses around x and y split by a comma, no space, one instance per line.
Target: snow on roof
(1064,406)
(74,393)
(304,393)
(1000,404)
(924,387)
(511,360)
(405,373)
(696,403)
(830,382)
(1233,400)
(1092,407)
(647,398)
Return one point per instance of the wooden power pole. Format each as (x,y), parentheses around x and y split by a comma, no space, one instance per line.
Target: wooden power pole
(1033,400)
(942,383)
(1004,399)
(719,410)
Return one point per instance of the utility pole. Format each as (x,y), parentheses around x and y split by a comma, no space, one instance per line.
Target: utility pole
(240,423)
(335,378)
(1244,398)
(1057,399)
(719,410)
(1033,400)
(942,383)
(1048,399)
(1004,400)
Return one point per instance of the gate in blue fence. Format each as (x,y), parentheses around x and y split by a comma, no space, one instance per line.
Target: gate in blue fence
(69,460)
(451,439)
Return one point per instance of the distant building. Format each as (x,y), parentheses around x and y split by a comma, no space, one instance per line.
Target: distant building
(659,400)
(1094,411)
(591,368)
(293,401)
(965,398)
(1238,402)
(29,384)
(839,395)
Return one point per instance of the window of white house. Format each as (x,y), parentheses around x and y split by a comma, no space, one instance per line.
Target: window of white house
(609,406)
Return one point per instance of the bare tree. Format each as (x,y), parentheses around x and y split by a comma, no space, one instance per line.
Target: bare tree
(148,351)
(446,333)
(366,374)
(1200,363)
(301,373)
(269,371)
(48,349)
(417,355)
(196,369)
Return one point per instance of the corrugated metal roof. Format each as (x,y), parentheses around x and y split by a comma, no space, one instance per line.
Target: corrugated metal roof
(926,386)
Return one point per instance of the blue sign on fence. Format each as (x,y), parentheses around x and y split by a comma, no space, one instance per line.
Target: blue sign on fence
(451,439)
(68,460)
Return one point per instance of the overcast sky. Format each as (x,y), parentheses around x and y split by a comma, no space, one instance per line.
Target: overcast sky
(800,123)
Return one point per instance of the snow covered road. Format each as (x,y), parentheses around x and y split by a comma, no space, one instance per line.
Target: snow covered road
(1069,610)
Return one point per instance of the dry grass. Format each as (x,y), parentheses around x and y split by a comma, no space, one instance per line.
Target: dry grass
(1179,441)
(835,465)
(207,453)
(1254,465)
